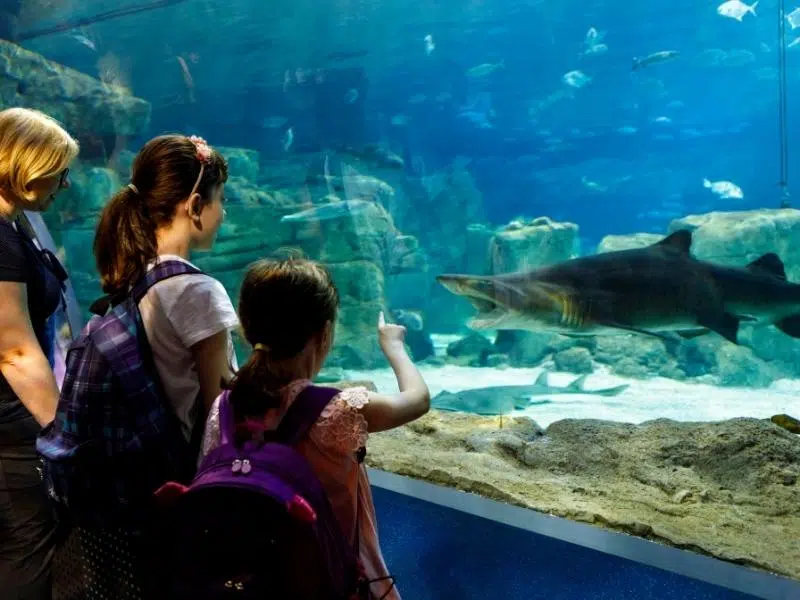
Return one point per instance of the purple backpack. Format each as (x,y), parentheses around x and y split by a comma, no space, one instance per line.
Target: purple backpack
(256,521)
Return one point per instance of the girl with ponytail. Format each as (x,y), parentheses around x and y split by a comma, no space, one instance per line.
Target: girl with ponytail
(288,313)
(172,206)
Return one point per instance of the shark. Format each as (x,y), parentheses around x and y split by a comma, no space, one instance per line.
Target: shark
(501,400)
(659,290)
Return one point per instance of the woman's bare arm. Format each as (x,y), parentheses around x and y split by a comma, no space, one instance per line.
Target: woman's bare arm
(22,360)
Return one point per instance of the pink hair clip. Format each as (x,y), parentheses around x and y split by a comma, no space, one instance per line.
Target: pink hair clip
(203,149)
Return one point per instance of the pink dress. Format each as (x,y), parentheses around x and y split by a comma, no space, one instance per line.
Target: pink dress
(330,448)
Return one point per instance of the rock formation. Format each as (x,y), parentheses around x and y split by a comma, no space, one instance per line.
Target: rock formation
(727,489)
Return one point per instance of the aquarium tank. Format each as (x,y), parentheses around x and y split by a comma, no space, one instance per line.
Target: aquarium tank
(581,212)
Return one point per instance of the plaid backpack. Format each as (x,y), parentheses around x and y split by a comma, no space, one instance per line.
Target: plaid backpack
(115,439)
(256,522)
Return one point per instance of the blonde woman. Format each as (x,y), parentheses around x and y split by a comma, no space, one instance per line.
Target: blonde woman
(35,154)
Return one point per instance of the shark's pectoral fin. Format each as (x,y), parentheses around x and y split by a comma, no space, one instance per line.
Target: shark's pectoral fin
(725,324)
(521,402)
(769,264)
(790,326)
(613,391)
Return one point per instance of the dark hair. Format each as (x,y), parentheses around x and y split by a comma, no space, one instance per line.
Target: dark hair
(282,305)
(162,176)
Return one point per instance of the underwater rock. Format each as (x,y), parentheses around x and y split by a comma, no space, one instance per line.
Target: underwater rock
(615,243)
(242,162)
(361,288)
(538,243)
(714,488)
(479,237)
(82,103)
(471,345)
(574,360)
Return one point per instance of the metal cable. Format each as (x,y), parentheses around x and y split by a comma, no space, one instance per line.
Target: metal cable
(782,125)
(111,14)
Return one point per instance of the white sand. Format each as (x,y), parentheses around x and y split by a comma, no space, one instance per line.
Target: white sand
(642,401)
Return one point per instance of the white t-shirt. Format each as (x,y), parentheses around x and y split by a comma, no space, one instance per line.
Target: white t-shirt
(177,313)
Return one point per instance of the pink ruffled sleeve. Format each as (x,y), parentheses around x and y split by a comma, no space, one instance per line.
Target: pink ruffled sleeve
(342,426)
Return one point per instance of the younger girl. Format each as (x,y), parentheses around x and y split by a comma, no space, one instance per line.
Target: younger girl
(288,311)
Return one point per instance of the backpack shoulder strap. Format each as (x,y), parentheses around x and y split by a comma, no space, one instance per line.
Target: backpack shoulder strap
(161,271)
(304,412)
(297,421)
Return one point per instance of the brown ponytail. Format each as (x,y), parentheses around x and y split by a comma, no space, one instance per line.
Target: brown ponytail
(125,241)
(162,177)
(282,305)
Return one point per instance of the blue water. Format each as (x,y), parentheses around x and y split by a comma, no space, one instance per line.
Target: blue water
(720,95)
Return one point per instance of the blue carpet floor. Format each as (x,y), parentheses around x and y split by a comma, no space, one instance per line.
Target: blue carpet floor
(438,553)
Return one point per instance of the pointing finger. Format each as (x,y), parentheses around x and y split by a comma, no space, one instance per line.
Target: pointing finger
(381,320)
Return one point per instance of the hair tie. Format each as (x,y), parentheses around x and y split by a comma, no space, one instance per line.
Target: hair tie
(203,154)
(261,347)
(133,188)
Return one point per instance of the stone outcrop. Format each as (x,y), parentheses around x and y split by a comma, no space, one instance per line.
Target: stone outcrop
(727,489)
(82,103)
(523,246)
(361,251)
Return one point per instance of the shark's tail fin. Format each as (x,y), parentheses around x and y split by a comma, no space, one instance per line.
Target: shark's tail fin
(577,384)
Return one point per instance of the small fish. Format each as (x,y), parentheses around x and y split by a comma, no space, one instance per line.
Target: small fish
(593,36)
(592,42)
(351,96)
(288,139)
(736,9)
(429,45)
(655,57)
(328,212)
(724,189)
(794,18)
(187,77)
(576,79)
(485,69)
(596,49)
(82,39)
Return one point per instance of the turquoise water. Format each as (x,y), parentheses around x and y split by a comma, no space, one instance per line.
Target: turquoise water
(396,142)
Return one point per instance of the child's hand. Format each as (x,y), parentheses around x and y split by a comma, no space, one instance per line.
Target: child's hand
(390,336)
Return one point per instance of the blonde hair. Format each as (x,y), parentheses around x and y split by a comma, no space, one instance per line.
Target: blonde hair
(33,146)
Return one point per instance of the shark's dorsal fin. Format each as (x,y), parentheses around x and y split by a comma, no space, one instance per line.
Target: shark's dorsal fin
(680,240)
(542,379)
(578,383)
(768,264)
